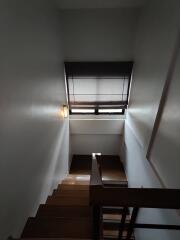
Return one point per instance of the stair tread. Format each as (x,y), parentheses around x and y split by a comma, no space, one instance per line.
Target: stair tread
(67,214)
(114,233)
(116,238)
(115,183)
(68,201)
(110,216)
(64,211)
(112,210)
(114,219)
(73,186)
(75,182)
(76,193)
(107,225)
(49,238)
(57,238)
(58,227)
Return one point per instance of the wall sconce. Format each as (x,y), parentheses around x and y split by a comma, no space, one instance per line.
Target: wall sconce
(65,111)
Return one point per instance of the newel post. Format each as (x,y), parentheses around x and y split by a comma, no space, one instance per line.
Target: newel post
(95,186)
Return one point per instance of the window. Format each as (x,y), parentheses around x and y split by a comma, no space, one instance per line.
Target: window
(98,87)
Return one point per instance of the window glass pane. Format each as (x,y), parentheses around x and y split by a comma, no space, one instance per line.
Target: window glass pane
(98,89)
(84,98)
(82,110)
(84,86)
(110,110)
(110,86)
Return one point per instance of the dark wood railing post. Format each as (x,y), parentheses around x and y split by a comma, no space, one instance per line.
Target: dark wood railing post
(132,222)
(123,221)
(97,222)
(136,198)
(95,186)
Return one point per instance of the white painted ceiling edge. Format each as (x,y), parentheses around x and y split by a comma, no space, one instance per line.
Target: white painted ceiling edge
(98,4)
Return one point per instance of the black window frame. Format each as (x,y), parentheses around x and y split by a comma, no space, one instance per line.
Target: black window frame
(99,68)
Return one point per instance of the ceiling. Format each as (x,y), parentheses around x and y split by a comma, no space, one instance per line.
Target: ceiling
(83,4)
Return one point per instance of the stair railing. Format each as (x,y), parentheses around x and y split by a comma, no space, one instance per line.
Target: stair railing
(135,198)
(95,185)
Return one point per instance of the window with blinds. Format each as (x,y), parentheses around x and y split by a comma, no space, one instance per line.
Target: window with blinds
(98,88)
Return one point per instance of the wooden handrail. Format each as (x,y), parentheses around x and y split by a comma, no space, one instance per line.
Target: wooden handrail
(95,179)
(137,197)
(101,195)
(130,197)
(95,184)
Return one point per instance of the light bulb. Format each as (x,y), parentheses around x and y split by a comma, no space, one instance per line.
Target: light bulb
(65,111)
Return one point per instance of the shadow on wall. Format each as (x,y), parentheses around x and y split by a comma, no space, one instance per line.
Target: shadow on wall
(32,90)
(61,156)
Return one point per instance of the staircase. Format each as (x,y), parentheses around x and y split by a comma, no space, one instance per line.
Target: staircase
(111,218)
(67,213)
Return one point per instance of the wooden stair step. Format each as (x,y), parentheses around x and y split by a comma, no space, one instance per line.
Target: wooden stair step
(72,187)
(110,216)
(113,183)
(76,192)
(73,182)
(55,239)
(63,211)
(81,163)
(67,201)
(112,210)
(113,223)
(114,234)
(57,227)
(116,238)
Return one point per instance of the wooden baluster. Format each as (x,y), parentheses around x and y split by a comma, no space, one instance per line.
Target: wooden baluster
(97,222)
(96,185)
(132,222)
(123,220)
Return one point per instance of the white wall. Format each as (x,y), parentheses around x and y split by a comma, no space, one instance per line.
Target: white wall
(34,139)
(158,29)
(166,152)
(155,42)
(99,34)
(106,144)
(140,174)
(96,135)
(96,126)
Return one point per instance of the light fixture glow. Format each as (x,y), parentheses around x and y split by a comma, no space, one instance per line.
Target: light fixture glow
(82,110)
(110,110)
(95,154)
(65,111)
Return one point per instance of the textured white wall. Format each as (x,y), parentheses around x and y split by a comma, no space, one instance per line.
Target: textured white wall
(156,39)
(107,144)
(140,174)
(34,139)
(93,134)
(96,126)
(166,151)
(155,42)
(99,34)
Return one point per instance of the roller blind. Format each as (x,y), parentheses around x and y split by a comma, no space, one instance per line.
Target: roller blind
(98,85)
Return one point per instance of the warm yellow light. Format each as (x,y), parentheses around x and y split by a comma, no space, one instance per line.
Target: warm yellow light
(65,111)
